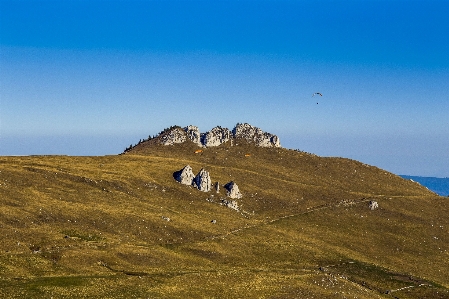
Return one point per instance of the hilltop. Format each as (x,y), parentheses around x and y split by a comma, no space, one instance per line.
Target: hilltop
(213,138)
(305,227)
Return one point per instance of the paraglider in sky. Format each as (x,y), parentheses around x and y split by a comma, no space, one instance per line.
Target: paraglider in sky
(317,93)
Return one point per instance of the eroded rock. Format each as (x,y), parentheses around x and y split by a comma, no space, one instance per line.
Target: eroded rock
(184,176)
(233,190)
(216,136)
(220,135)
(176,135)
(193,133)
(255,135)
(202,181)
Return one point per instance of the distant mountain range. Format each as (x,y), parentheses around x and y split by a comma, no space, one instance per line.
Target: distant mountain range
(437,185)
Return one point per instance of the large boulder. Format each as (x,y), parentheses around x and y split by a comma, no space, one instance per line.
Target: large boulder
(202,181)
(184,176)
(232,190)
(216,136)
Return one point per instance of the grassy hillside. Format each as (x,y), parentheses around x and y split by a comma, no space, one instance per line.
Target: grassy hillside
(122,227)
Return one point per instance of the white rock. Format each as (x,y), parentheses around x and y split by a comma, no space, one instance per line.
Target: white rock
(373,205)
(255,135)
(202,181)
(232,204)
(233,190)
(216,136)
(219,135)
(184,176)
(177,135)
(193,133)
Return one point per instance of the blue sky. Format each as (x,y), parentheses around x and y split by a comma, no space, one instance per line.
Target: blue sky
(92,77)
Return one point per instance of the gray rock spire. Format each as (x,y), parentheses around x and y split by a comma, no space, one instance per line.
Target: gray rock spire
(184,176)
(202,181)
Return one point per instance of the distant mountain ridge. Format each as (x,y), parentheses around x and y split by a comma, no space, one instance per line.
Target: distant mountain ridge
(437,185)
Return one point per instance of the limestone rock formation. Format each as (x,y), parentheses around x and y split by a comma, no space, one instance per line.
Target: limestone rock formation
(202,181)
(193,133)
(176,135)
(184,176)
(233,190)
(216,136)
(255,135)
(219,135)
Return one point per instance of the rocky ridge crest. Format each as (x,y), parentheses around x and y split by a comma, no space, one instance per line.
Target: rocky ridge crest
(219,135)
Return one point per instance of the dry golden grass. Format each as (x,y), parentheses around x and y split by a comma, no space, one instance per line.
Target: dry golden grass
(96,227)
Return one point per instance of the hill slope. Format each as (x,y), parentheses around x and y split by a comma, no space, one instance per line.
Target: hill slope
(122,227)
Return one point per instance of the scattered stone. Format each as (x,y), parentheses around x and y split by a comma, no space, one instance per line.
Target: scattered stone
(217,187)
(323,269)
(184,176)
(232,204)
(35,249)
(202,181)
(233,190)
(373,205)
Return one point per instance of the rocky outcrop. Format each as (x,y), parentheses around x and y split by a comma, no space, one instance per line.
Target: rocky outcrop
(193,133)
(233,190)
(184,176)
(202,181)
(215,137)
(176,135)
(255,135)
(219,135)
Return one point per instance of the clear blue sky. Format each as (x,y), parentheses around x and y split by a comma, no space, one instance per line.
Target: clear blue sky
(92,77)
